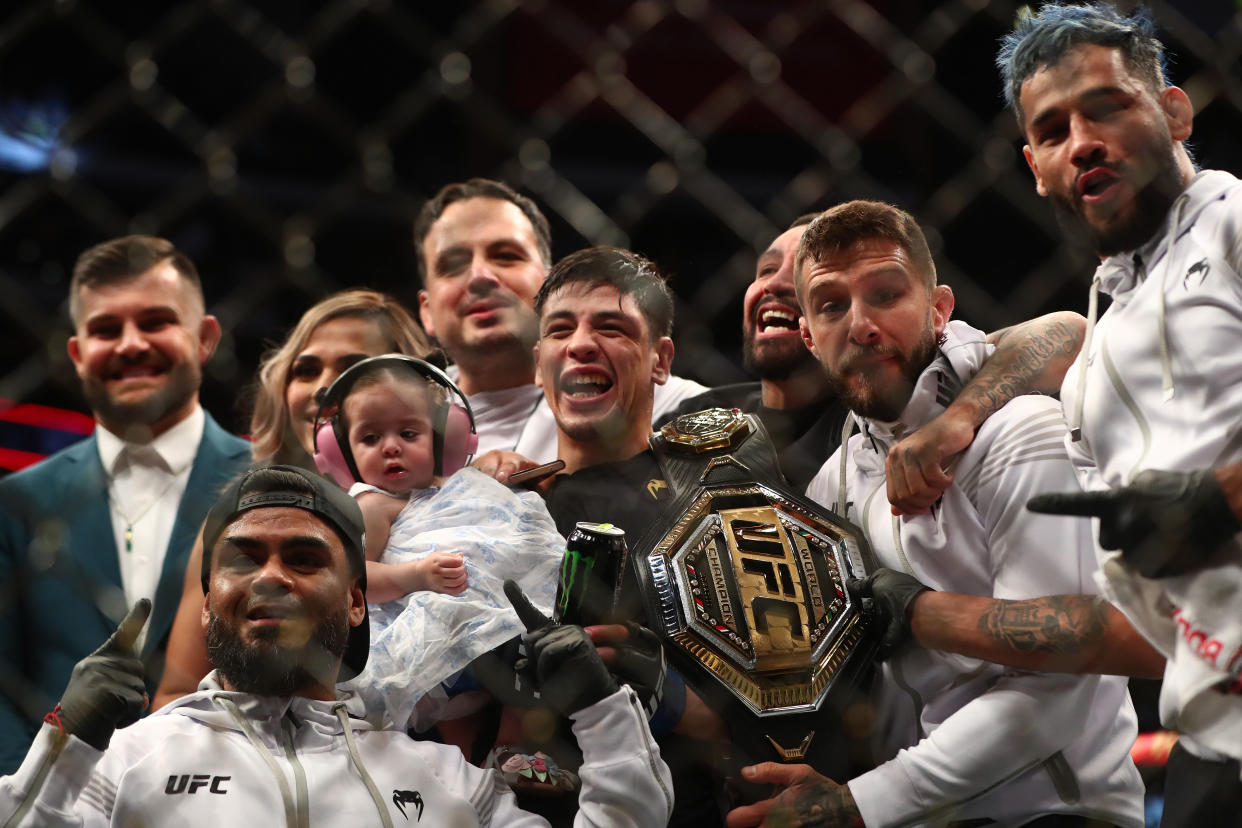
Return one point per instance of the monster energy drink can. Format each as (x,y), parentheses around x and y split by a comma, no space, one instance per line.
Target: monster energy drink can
(591,573)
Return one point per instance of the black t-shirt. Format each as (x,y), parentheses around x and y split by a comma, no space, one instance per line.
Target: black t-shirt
(629,493)
(804,437)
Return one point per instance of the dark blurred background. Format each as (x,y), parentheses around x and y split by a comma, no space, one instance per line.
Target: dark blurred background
(286,146)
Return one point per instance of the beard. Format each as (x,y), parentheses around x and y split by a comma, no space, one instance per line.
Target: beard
(180,385)
(774,360)
(269,667)
(1125,230)
(879,402)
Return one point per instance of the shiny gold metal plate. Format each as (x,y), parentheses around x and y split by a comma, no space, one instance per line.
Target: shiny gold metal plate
(703,431)
(755,594)
(794,754)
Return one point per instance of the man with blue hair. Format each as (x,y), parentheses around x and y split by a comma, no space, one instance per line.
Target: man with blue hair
(1154,401)
(1104,128)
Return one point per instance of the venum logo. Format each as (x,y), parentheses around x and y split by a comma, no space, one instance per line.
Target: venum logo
(414,797)
(193,783)
(1200,266)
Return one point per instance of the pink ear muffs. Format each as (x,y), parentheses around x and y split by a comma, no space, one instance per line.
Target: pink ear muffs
(328,456)
(460,440)
(456,440)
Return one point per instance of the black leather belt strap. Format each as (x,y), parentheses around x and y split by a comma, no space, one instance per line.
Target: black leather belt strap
(715,447)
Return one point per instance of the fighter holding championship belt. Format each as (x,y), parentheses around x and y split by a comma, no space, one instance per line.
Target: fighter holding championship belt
(744,583)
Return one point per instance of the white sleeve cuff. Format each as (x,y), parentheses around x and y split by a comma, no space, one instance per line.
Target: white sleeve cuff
(55,770)
(599,727)
(885,795)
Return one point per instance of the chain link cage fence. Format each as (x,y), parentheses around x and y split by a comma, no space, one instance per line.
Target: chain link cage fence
(287,144)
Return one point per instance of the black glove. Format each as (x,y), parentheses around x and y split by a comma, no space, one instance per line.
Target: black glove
(561,661)
(885,596)
(640,664)
(1164,523)
(107,689)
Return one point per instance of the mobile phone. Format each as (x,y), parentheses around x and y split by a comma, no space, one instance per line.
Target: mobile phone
(534,475)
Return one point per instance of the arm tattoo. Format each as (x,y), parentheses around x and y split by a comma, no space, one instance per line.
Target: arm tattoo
(815,803)
(1072,624)
(1018,366)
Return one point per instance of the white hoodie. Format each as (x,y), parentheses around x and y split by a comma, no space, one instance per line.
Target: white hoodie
(228,760)
(978,740)
(1162,389)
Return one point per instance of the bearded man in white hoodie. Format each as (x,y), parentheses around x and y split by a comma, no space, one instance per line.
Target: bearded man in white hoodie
(967,740)
(268,740)
(1155,401)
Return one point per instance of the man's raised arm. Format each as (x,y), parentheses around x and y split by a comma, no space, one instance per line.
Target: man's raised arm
(106,691)
(1031,357)
(624,780)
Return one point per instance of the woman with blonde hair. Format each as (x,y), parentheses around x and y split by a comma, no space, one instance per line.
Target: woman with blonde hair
(290,374)
(332,335)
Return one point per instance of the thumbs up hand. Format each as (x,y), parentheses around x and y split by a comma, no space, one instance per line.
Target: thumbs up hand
(561,660)
(107,689)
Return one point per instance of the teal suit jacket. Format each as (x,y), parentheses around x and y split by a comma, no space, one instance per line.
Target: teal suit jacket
(60,579)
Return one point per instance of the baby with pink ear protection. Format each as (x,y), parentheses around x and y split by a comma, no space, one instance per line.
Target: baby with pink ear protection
(441,537)
(390,425)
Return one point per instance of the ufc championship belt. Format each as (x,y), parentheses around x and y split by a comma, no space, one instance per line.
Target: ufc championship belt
(745,581)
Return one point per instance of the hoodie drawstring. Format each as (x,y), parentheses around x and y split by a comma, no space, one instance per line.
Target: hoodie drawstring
(847,431)
(380,805)
(1166,364)
(1084,354)
(291,812)
(1093,302)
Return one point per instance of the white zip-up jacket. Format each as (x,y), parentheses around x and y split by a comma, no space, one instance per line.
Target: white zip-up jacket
(972,739)
(1161,388)
(226,760)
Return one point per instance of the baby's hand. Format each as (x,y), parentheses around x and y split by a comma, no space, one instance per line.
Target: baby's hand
(444,572)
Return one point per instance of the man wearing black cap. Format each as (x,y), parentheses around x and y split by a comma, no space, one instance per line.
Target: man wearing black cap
(266,736)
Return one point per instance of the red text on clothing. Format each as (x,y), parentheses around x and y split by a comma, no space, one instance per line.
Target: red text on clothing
(1208,648)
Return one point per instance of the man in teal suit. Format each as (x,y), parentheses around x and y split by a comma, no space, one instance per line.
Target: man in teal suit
(92,529)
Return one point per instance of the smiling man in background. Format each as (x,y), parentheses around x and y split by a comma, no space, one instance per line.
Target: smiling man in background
(110,520)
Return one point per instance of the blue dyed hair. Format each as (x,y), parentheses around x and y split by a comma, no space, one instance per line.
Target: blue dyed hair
(1040,40)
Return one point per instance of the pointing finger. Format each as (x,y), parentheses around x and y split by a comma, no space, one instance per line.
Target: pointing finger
(127,633)
(531,617)
(1083,504)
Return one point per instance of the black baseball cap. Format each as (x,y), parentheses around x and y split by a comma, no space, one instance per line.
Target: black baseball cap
(270,486)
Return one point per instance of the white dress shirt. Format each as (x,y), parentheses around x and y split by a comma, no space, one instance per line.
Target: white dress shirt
(145,485)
